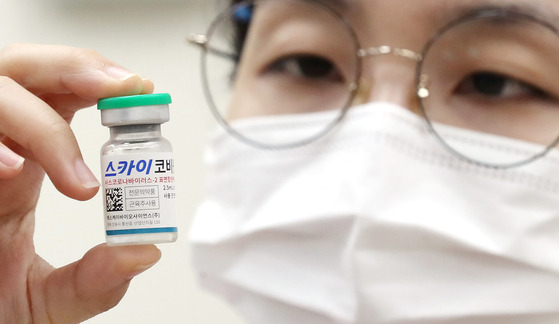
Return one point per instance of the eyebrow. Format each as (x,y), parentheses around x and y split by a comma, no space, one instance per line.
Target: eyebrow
(466,9)
(528,9)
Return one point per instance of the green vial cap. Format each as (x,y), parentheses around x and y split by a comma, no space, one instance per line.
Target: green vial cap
(154,99)
(138,109)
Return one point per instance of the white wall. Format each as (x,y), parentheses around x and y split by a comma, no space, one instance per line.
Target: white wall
(147,37)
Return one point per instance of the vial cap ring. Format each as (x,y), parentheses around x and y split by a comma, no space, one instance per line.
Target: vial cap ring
(153,99)
(135,110)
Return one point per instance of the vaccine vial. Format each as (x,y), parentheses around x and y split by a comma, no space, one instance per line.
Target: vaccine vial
(138,176)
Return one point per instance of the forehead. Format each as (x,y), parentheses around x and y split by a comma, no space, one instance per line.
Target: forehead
(409,23)
(443,9)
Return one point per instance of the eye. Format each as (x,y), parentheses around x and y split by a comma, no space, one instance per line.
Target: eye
(496,85)
(307,67)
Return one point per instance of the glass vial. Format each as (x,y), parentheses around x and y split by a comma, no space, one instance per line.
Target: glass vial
(138,175)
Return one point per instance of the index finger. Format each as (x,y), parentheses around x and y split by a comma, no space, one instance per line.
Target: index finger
(61,70)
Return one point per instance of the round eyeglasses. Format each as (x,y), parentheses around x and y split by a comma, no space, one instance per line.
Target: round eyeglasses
(492,71)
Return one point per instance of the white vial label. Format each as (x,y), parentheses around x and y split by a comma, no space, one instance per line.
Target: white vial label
(139,193)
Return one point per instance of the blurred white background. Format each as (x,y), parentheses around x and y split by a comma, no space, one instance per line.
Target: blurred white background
(148,37)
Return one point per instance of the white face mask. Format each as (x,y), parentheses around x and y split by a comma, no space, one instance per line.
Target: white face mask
(377,223)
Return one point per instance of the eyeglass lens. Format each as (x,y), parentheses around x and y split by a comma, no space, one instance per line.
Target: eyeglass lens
(301,59)
(495,74)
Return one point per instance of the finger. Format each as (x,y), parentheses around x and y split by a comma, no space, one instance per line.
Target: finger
(96,283)
(67,104)
(32,124)
(10,162)
(49,69)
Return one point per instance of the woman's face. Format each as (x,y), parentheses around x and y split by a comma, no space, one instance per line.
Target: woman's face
(298,59)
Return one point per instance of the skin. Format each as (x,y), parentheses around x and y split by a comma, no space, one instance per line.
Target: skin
(41,87)
(399,24)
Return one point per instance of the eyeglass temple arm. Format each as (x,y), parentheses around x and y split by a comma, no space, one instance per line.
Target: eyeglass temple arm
(201,41)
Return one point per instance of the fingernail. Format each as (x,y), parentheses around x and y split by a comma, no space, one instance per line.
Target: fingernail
(9,158)
(141,268)
(147,85)
(85,176)
(119,73)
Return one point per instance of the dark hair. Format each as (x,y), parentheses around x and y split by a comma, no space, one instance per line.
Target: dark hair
(240,30)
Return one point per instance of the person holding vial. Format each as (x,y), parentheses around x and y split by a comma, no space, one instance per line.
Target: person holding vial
(379,162)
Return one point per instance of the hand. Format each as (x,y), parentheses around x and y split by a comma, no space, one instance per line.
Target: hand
(41,87)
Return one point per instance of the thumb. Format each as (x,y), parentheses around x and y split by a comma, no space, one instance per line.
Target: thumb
(96,283)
